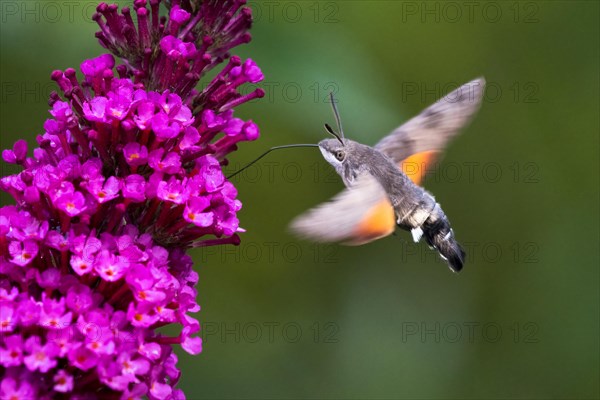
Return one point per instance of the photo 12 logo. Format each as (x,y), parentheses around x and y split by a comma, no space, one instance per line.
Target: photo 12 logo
(271,253)
(452,12)
(293,92)
(47,12)
(292,12)
(469,332)
(526,92)
(486,252)
(270,332)
(26,92)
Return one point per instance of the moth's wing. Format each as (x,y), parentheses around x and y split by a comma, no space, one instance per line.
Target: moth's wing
(341,219)
(431,130)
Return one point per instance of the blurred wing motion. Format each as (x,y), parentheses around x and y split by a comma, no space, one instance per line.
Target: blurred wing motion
(363,213)
(338,219)
(431,130)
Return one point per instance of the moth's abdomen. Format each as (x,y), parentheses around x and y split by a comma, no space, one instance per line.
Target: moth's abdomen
(416,210)
(428,220)
(439,235)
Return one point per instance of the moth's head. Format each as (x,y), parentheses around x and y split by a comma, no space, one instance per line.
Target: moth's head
(334,151)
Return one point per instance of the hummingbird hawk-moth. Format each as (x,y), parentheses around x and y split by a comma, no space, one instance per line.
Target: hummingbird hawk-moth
(379,194)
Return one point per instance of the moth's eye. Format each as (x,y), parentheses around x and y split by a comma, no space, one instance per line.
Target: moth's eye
(340,155)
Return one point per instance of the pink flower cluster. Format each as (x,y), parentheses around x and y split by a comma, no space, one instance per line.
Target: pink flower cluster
(126,177)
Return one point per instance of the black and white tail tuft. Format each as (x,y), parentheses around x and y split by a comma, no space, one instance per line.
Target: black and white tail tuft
(439,235)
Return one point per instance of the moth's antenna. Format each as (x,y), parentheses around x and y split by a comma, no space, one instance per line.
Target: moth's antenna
(331,132)
(287,146)
(338,120)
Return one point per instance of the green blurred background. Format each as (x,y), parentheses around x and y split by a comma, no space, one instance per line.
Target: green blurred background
(284,318)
